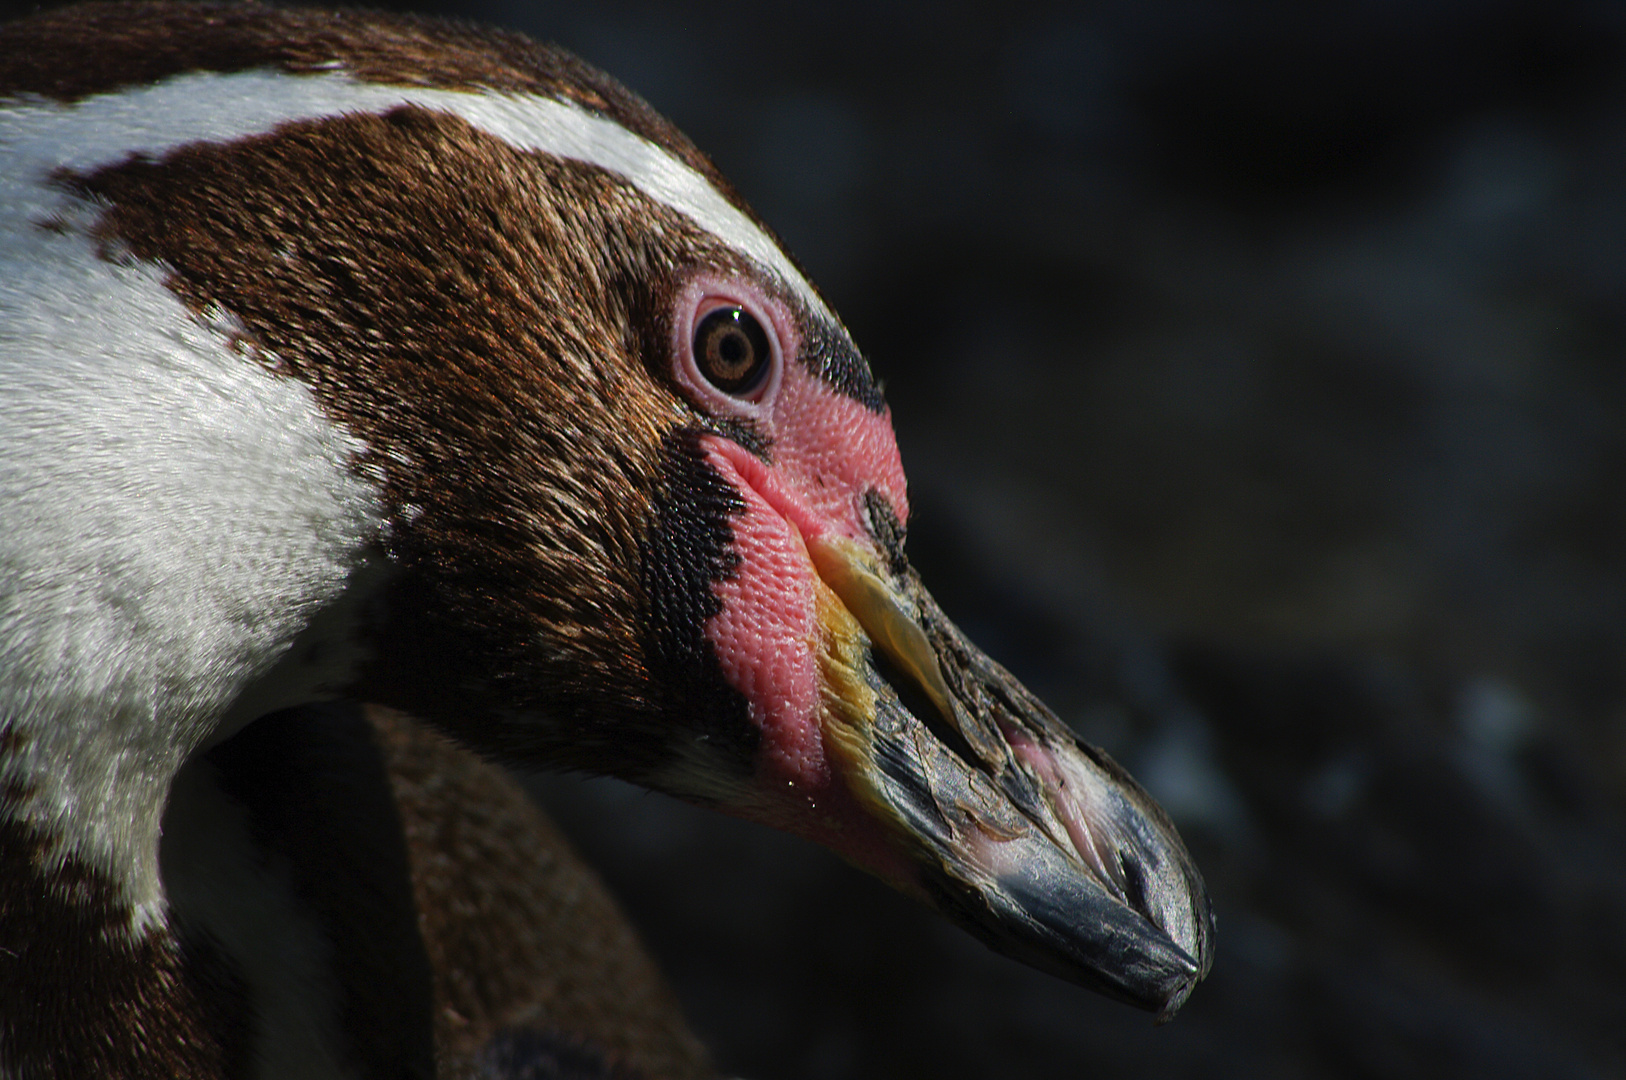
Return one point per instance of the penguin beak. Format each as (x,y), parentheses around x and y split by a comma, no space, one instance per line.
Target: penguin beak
(1035,842)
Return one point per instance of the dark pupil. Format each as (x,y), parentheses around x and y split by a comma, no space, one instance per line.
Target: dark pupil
(732,350)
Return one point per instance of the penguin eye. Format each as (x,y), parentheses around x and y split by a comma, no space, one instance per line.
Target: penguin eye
(731,349)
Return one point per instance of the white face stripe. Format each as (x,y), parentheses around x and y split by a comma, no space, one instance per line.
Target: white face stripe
(208,106)
(171,514)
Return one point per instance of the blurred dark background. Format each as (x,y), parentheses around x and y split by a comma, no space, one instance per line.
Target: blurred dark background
(1260,371)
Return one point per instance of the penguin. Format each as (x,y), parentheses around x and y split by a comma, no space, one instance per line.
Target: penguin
(386,402)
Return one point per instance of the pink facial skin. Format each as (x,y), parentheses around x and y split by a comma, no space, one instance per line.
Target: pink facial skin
(827,451)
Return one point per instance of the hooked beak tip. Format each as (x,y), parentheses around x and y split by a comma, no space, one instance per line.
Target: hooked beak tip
(1039,845)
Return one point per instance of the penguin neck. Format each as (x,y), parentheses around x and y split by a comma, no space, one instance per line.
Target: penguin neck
(88,956)
(84,788)
(178,950)
(85,781)
(176,514)
(135,902)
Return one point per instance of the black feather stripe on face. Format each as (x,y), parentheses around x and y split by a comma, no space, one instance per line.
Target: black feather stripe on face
(829,354)
(689,549)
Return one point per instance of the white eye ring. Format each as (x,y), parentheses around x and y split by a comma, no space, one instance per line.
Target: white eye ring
(730,341)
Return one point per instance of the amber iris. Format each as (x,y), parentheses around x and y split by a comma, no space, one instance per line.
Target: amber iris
(731,349)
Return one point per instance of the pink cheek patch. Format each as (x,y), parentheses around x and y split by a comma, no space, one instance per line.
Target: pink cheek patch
(766,633)
(829,451)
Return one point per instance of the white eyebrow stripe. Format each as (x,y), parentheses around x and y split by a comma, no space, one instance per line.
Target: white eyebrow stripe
(210,106)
